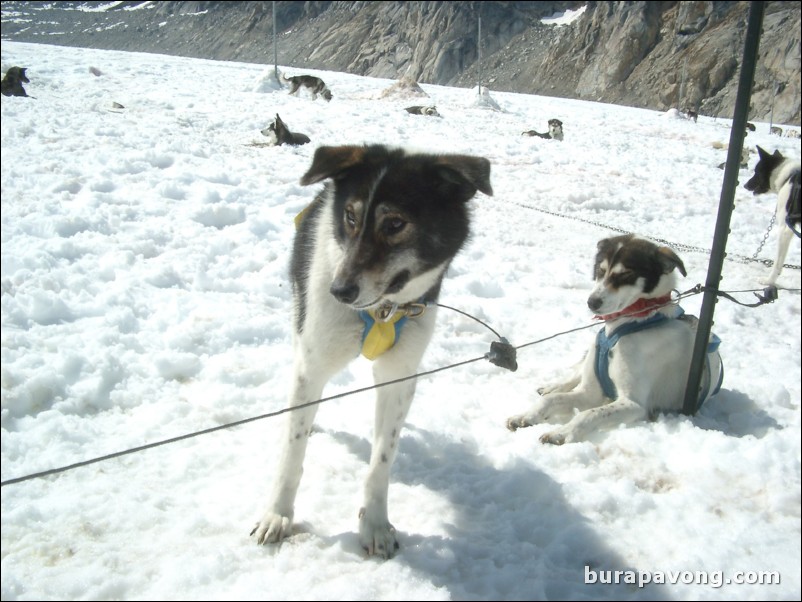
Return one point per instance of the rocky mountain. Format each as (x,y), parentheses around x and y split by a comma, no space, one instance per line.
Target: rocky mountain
(654,55)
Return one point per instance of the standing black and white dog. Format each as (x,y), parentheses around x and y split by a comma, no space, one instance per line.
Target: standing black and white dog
(639,362)
(555,131)
(778,174)
(314,85)
(369,257)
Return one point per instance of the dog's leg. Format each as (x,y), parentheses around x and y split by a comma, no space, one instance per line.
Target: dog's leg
(556,406)
(783,242)
(784,236)
(563,386)
(313,368)
(376,534)
(621,411)
(558,400)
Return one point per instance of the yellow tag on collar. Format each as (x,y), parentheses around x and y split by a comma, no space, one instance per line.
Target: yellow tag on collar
(380,336)
(300,217)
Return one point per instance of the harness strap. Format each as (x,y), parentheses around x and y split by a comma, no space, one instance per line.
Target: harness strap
(707,377)
(604,345)
(793,211)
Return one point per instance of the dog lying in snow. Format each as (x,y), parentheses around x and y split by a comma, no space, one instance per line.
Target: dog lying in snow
(639,362)
(13,80)
(280,134)
(555,131)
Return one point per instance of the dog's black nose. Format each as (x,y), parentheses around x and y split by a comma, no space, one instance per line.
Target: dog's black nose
(594,303)
(344,292)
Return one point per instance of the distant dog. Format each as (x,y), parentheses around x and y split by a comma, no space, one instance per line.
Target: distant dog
(13,80)
(776,131)
(369,257)
(421,110)
(314,85)
(555,131)
(778,174)
(691,114)
(639,362)
(744,164)
(280,134)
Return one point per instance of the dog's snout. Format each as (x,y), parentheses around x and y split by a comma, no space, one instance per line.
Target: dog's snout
(594,302)
(344,292)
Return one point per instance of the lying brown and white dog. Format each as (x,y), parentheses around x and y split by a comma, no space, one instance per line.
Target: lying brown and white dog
(638,363)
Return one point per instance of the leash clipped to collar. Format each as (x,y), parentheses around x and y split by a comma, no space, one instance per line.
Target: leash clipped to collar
(383,326)
(793,212)
(769,295)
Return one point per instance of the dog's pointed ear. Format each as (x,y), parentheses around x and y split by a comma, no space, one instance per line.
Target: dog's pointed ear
(605,243)
(463,175)
(761,153)
(778,155)
(329,161)
(669,260)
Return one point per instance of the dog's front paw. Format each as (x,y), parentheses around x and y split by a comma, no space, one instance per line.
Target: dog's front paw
(517,422)
(549,388)
(377,537)
(554,438)
(521,421)
(272,528)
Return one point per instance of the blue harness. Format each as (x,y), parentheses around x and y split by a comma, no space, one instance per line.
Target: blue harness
(604,345)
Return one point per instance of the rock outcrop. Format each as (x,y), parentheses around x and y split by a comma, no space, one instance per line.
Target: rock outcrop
(653,55)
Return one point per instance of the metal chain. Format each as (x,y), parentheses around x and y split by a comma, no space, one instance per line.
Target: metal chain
(674,245)
(765,236)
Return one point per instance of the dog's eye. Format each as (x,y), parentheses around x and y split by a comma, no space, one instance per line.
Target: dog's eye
(350,218)
(393,225)
(623,277)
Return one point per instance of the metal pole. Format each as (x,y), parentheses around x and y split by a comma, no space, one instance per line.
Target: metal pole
(479,47)
(275,44)
(773,95)
(737,135)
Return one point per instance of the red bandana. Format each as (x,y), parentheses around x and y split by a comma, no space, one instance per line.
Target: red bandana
(640,309)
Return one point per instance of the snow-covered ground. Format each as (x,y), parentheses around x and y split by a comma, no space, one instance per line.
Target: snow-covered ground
(145,296)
